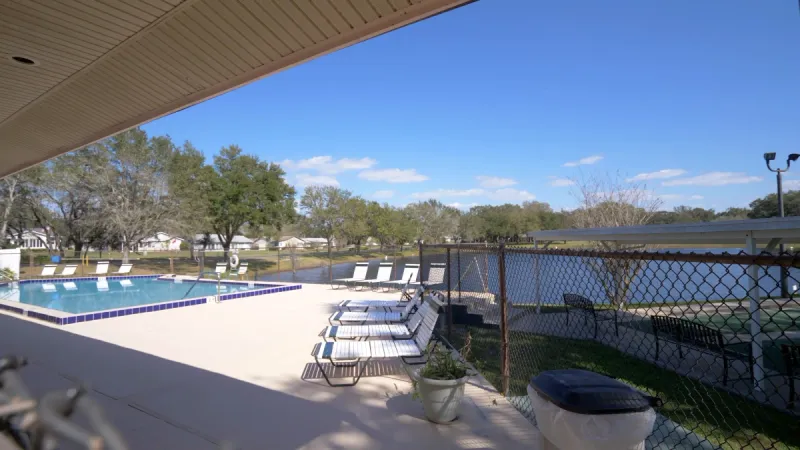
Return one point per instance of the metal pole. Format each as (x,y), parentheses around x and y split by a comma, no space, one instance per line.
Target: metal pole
(755,314)
(504,355)
(422,277)
(458,263)
(537,278)
(449,308)
(784,271)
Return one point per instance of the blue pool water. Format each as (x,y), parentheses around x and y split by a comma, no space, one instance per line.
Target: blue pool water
(81,296)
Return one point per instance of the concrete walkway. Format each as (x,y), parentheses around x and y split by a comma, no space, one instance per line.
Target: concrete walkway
(241,371)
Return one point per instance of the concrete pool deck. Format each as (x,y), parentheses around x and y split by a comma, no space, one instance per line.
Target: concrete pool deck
(241,371)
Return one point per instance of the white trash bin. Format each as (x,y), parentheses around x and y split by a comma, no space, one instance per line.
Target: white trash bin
(578,409)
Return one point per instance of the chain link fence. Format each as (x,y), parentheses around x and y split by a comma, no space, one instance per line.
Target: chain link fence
(710,334)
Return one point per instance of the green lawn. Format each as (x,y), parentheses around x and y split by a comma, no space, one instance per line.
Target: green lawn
(787,319)
(726,420)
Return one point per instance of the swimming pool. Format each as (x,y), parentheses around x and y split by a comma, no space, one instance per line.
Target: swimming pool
(89,295)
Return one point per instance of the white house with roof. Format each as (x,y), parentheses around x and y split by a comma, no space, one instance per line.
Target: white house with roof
(316,242)
(290,242)
(211,242)
(160,242)
(31,239)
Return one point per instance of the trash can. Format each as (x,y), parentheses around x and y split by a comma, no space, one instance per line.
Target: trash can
(579,409)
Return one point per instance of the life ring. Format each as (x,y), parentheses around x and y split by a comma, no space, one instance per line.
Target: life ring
(234,261)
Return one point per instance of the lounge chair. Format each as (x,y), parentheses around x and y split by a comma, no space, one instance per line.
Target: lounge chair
(372,317)
(391,331)
(124,269)
(384,274)
(350,354)
(240,273)
(409,278)
(436,273)
(359,274)
(68,270)
(364,305)
(102,268)
(48,270)
(221,268)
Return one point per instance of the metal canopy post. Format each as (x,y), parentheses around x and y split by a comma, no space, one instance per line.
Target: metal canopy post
(755,313)
(537,278)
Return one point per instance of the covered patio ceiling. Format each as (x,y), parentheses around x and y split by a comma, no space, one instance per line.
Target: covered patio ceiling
(75,71)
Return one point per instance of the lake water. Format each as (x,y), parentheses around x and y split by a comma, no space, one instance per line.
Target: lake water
(657,281)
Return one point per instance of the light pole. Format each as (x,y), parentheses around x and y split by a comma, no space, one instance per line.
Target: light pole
(769,157)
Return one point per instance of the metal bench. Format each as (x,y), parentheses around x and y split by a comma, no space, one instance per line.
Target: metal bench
(700,337)
(586,306)
(791,360)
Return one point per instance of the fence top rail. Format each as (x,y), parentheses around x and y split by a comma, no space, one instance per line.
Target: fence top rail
(761,259)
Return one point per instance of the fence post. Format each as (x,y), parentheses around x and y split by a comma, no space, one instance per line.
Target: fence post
(458,267)
(279,263)
(504,355)
(449,309)
(422,278)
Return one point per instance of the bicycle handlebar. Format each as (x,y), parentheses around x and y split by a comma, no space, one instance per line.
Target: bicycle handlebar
(56,408)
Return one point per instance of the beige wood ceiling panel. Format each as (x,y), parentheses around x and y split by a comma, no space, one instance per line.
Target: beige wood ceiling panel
(103,66)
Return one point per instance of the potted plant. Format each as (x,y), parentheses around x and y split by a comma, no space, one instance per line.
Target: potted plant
(439,384)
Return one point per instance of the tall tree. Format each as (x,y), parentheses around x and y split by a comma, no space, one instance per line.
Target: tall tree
(767,206)
(355,226)
(133,186)
(323,207)
(434,220)
(246,190)
(189,187)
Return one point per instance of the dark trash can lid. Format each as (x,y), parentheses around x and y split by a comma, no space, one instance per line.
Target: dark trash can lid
(585,392)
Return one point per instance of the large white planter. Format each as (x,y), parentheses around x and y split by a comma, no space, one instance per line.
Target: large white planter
(441,399)
(10,258)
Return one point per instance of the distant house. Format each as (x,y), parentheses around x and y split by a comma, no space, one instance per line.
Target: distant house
(290,242)
(261,244)
(160,242)
(212,242)
(316,242)
(32,239)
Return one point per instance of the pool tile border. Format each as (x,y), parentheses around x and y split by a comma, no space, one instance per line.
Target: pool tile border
(62,318)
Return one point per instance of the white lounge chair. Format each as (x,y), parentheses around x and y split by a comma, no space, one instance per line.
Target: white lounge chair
(359,274)
(68,270)
(221,268)
(350,354)
(240,273)
(124,269)
(386,331)
(102,268)
(436,273)
(409,278)
(364,305)
(48,270)
(384,274)
(372,317)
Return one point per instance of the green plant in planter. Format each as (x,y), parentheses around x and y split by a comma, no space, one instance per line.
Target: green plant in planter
(443,365)
(7,274)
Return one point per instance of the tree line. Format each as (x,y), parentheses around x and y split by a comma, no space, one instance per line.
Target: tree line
(118,191)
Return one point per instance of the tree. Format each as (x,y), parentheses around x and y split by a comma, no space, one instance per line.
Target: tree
(610,202)
(767,206)
(733,213)
(245,190)
(132,186)
(355,225)
(323,209)
(189,187)
(434,220)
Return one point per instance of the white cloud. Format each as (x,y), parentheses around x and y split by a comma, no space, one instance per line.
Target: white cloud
(442,193)
(327,165)
(458,205)
(510,195)
(383,194)
(393,175)
(791,185)
(679,197)
(584,161)
(306,179)
(696,197)
(560,182)
(714,179)
(657,175)
(495,182)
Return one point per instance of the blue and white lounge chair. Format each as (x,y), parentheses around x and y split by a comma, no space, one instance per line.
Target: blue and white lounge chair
(385,331)
(384,274)
(372,317)
(365,305)
(351,353)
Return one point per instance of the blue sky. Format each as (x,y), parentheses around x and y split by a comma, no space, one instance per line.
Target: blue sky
(507,100)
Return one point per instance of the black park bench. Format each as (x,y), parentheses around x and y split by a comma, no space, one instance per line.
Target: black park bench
(586,307)
(700,337)
(791,360)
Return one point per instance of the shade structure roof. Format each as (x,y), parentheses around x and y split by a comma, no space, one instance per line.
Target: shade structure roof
(75,71)
(727,232)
